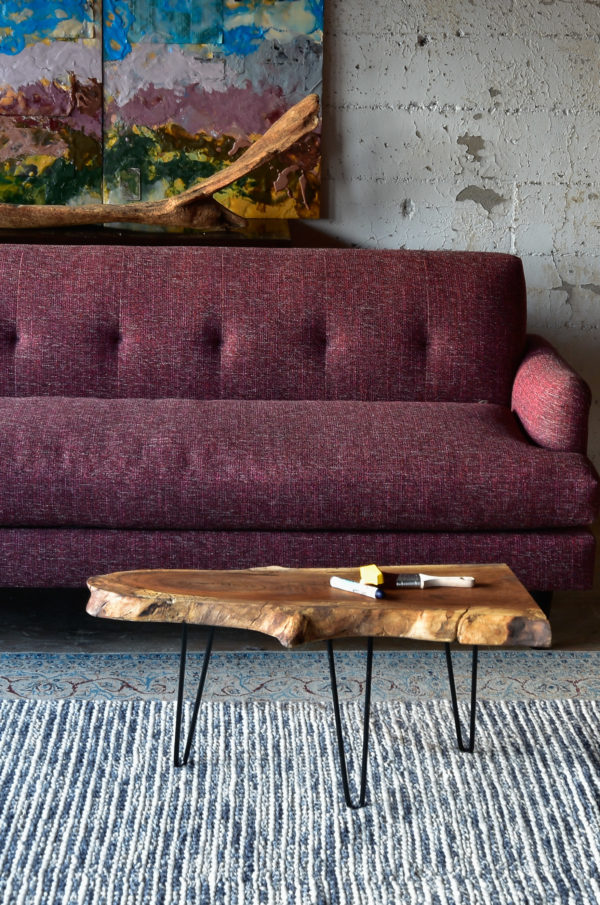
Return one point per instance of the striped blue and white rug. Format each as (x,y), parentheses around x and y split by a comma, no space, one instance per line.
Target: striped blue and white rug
(92,811)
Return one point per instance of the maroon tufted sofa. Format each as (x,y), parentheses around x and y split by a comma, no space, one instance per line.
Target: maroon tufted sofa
(214,408)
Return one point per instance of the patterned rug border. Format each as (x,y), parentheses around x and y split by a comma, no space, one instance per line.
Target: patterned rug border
(299,675)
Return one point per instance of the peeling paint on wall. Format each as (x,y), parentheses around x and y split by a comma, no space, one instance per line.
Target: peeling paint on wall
(487,198)
(474,145)
(593,287)
(492,128)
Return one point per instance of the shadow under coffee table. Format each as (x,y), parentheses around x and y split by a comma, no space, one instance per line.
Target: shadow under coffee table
(298,605)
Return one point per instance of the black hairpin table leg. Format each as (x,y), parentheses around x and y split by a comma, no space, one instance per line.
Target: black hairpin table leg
(340,734)
(469,746)
(182,761)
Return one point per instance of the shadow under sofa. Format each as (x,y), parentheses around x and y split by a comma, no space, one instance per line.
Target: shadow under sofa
(172,407)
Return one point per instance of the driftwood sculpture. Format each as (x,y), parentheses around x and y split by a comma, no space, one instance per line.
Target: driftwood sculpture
(195,207)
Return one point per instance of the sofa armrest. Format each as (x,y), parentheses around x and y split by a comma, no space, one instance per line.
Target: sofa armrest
(551,400)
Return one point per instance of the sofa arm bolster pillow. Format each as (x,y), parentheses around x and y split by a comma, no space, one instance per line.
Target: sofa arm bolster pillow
(551,400)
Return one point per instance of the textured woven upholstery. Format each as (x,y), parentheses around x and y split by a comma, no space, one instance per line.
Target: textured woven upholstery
(218,323)
(233,464)
(60,556)
(551,399)
(212,407)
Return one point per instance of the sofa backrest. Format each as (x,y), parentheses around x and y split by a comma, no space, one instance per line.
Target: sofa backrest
(259,323)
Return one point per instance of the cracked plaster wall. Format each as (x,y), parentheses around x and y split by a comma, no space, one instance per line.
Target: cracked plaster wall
(474,124)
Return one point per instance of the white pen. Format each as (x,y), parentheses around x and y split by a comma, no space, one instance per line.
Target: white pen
(356,587)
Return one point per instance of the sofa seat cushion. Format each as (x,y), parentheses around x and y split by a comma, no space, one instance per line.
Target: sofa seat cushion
(270,465)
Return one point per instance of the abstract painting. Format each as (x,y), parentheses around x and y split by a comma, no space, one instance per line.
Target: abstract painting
(139,99)
(50,102)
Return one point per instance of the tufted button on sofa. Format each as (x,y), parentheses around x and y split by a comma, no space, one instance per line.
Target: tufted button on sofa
(222,408)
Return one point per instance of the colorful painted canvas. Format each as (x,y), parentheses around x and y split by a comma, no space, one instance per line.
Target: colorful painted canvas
(157,95)
(50,102)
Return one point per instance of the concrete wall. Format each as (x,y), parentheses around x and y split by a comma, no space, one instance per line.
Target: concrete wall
(474,124)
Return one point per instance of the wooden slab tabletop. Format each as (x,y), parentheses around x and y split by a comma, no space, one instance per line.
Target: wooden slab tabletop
(298,605)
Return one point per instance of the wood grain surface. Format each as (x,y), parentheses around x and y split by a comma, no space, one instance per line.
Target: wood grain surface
(298,605)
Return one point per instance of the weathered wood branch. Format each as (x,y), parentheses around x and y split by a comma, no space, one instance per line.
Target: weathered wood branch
(194,207)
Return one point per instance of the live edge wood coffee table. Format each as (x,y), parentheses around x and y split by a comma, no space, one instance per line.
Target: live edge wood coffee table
(298,605)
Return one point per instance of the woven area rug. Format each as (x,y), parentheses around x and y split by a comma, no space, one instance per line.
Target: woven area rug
(92,811)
